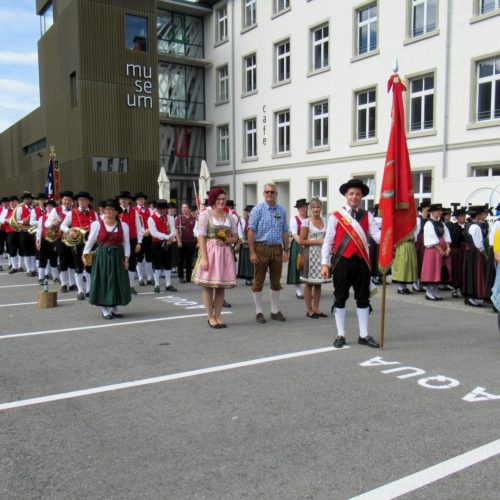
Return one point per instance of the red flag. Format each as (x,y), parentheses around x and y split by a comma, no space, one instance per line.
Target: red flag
(397,201)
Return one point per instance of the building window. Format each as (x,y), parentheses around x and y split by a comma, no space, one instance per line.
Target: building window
(249,13)
(320,43)
(106,164)
(366,109)
(485,171)
(250,77)
(368,201)
(46,18)
(221,24)
(319,189)
(423,19)
(222,84)
(486,6)
(488,90)
(319,127)
(35,147)
(72,90)
(422,103)
(223,144)
(282,120)
(367,29)
(250,147)
(282,54)
(422,186)
(136,33)
(280,5)
(180,34)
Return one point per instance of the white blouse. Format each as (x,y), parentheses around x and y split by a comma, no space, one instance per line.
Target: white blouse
(94,234)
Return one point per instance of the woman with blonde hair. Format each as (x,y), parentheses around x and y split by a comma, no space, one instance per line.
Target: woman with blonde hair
(312,234)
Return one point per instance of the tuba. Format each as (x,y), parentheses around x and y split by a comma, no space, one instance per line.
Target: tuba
(81,237)
(20,227)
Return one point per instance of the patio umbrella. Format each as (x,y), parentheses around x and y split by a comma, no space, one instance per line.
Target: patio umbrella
(203,181)
(163,185)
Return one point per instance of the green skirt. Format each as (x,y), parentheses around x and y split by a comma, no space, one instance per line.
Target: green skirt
(405,265)
(110,285)
(245,267)
(293,276)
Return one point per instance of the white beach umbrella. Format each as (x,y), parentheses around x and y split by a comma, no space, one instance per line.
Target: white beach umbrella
(204,181)
(163,185)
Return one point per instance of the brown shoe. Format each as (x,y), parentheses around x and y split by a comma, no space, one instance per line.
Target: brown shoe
(260,318)
(278,316)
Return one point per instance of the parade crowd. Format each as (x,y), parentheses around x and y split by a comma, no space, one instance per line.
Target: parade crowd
(102,253)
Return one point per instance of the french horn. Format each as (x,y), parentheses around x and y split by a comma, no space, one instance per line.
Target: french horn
(73,241)
(20,227)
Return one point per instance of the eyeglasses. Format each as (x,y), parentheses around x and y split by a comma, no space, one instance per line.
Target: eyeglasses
(269,192)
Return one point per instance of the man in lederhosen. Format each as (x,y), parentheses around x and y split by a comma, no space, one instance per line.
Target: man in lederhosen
(47,250)
(3,235)
(80,218)
(133,219)
(144,257)
(27,247)
(163,234)
(64,253)
(347,238)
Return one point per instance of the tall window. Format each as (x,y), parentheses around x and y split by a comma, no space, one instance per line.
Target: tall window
(319,189)
(250,128)
(367,29)
(319,124)
(46,18)
(222,84)
(422,186)
(222,24)
(422,103)
(366,109)
(280,5)
(368,201)
(488,90)
(249,13)
(320,41)
(282,50)
(223,143)
(136,33)
(282,120)
(423,17)
(250,76)
(486,6)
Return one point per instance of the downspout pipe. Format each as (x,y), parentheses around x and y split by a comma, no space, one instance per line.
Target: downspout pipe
(233,107)
(447,88)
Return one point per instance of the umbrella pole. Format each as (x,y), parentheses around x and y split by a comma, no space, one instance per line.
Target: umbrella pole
(196,199)
(382,316)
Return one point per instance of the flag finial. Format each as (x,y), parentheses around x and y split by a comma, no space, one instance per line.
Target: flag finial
(395,68)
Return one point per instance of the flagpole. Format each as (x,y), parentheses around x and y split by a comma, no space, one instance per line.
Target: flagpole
(382,315)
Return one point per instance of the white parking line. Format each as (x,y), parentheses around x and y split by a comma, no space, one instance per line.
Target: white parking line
(108,324)
(164,378)
(31,303)
(15,286)
(432,474)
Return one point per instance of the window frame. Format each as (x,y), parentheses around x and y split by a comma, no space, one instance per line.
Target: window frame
(253,133)
(323,196)
(221,140)
(246,6)
(368,201)
(286,58)
(219,98)
(412,5)
(322,116)
(253,70)
(224,21)
(312,44)
(277,11)
(356,109)
(408,101)
(489,166)
(357,11)
(287,126)
(420,195)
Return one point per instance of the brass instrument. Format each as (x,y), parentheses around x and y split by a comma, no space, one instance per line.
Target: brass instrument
(20,227)
(73,241)
(53,234)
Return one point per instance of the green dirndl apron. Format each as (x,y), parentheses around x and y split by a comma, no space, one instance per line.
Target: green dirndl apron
(245,267)
(110,285)
(293,276)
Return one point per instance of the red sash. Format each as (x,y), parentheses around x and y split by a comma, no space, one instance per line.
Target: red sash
(355,232)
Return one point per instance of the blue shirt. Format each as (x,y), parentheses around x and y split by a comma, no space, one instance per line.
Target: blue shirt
(268,223)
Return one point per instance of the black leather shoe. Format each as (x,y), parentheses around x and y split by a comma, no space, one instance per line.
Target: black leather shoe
(278,316)
(434,299)
(226,304)
(170,288)
(156,289)
(455,295)
(117,315)
(107,316)
(312,316)
(404,291)
(339,342)
(133,291)
(80,296)
(368,341)
(64,289)
(142,283)
(73,288)
(260,318)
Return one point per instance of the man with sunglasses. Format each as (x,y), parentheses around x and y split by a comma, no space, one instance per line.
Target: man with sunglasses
(268,245)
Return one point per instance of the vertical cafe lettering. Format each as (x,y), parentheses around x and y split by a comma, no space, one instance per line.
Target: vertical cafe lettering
(141,98)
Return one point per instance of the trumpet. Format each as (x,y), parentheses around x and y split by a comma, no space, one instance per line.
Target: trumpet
(20,227)
(73,241)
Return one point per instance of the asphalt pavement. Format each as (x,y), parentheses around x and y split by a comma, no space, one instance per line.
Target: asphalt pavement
(157,405)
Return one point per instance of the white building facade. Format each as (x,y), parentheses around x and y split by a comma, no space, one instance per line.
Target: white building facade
(297,95)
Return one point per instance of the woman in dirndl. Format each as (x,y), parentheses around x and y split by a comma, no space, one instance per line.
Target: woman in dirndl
(110,286)
(436,266)
(214,269)
(245,267)
(293,275)
(312,234)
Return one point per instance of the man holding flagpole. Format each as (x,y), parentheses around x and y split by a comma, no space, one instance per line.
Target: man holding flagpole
(347,238)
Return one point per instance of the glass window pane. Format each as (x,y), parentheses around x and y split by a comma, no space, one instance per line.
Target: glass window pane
(431,15)
(363,39)
(429,111)
(429,82)
(373,36)
(136,33)
(371,124)
(427,184)
(416,113)
(484,102)
(486,68)
(362,124)
(417,85)
(363,98)
(418,19)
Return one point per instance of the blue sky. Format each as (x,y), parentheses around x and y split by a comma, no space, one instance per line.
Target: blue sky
(19,34)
